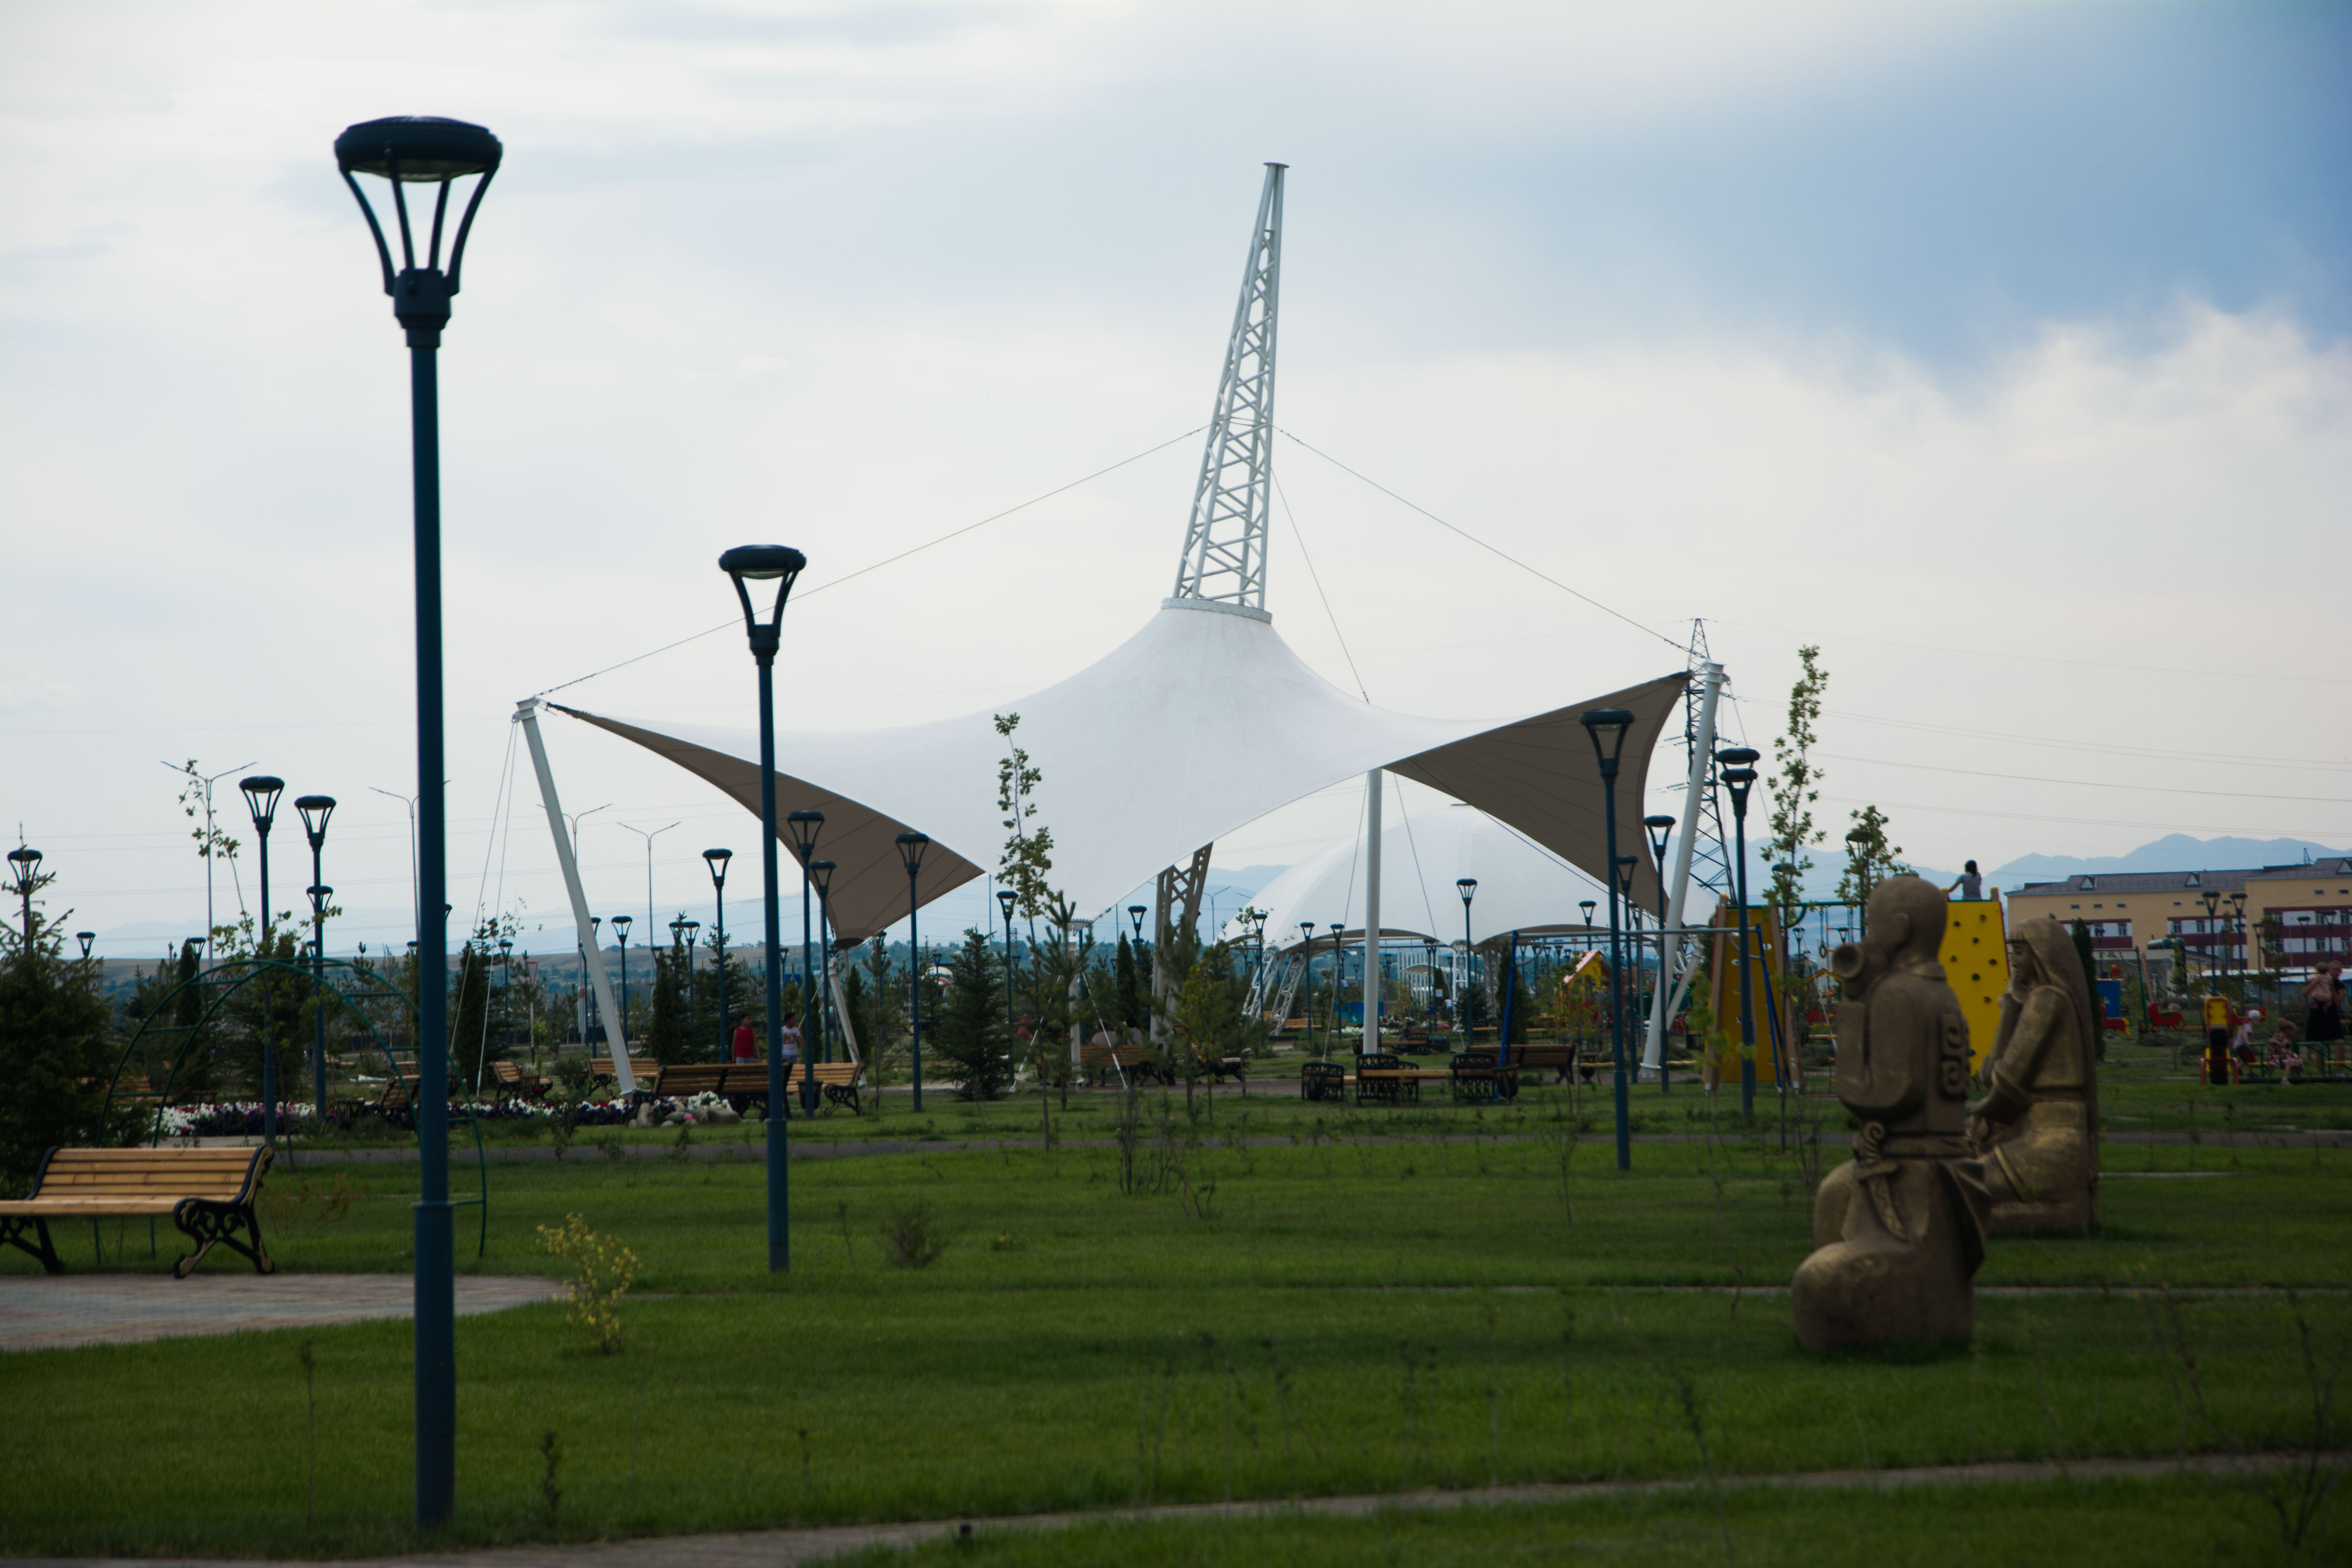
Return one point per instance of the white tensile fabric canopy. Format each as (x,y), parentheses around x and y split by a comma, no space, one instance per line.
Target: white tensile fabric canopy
(1522,886)
(1201,722)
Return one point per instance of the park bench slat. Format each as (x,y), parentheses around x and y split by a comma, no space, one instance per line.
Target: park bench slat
(208,1193)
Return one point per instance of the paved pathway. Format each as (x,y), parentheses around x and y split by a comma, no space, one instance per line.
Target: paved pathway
(41,1312)
(775,1547)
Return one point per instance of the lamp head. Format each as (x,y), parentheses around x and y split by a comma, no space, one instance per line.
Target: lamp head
(319,897)
(1739,756)
(910,850)
(621,923)
(821,876)
(1004,897)
(804,826)
(413,150)
(1135,913)
(718,860)
(506,947)
(1588,906)
(1660,827)
(1738,780)
(1625,864)
(1607,726)
(1306,930)
(315,810)
(2237,903)
(84,937)
(262,793)
(777,564)
(26,863)
(1467,887)
(693,930)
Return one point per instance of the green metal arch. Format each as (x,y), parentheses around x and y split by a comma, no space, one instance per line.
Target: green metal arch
(231,978)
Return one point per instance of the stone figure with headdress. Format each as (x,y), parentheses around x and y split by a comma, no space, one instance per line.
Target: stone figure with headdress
(1899,1230)
(2037,1127)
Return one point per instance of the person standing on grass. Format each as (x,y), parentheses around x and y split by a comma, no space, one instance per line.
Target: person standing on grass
(2323,1022)
(747,1045)
(1970,883)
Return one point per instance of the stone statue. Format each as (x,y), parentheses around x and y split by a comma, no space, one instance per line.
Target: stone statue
(2037,1127)
(1899,1230)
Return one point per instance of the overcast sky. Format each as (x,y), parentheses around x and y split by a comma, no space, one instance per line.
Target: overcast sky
(2000,350)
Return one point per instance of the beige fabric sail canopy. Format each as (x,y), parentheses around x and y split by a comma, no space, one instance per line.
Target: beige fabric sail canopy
(1201,722)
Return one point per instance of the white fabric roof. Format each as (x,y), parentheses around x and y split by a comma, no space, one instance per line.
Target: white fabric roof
(1522,886)
(1201,722)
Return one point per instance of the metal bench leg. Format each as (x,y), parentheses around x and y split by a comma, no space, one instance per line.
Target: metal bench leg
(212,1224)
(12,1234)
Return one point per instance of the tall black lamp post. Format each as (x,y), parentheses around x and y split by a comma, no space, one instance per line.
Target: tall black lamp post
(262,793)
(423,149)
(693,936)
(26,864)
(718,860)
(1737,772)
(316,809)
(1005,899)
(781,565)
(1661,829)
(1465,1005)
(821,877)
(2212,901)
(805,826)
(1607,726)
(2238,945)
(621,924)
(910,850)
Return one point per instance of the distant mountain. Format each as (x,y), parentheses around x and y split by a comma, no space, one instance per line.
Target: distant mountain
(2173,852)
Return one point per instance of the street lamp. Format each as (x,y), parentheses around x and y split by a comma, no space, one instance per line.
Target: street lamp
(1607,727)
(693,937)
(26,863)
(821,876)
(316,809)
(1338,978)
(262,793)
(1661,829)
(84,937)
(910,850)
(804,826)
(1736,768)
(1005,901)
(424,150)
(2236,946)
(621,924)
(781,565)
(718,860)
(1465,1005)
(650,938)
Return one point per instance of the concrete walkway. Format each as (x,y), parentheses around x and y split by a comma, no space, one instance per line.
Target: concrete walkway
(784,1547)
(43,1312)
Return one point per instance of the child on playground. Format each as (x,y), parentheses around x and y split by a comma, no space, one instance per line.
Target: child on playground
(2283,1055)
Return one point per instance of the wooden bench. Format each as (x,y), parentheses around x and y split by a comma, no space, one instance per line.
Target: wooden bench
(514,1083)
(1475,1075)
(1385,1079)
(1322,1080)
(208,1193)
(1561,1059)
(601,1069)
(1126,1061)
(739,1083)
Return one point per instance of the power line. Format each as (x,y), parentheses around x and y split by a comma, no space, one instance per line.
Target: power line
(886,560)
(1486,547)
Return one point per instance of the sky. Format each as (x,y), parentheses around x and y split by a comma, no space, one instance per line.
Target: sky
(2002,352)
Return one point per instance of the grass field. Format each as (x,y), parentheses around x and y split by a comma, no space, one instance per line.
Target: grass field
(1293,1300)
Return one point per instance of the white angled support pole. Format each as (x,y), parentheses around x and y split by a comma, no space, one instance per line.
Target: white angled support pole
(1667,999)
(527,715)
(1371,912)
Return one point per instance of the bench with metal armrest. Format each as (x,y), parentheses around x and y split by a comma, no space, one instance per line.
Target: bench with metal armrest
(208,1192)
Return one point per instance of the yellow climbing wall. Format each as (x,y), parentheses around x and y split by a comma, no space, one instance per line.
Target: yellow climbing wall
(1976,961)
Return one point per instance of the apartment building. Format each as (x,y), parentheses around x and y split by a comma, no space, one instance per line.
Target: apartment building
(2304,912)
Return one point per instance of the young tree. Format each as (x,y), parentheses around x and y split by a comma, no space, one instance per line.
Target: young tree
(1028,849)
(1795,786)
(968,1029)
(472,1044)
(1128,984)
(666,1032)
(56,1031)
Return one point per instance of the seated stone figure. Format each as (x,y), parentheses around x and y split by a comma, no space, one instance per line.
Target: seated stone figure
(2037,1130)
(1898,1231)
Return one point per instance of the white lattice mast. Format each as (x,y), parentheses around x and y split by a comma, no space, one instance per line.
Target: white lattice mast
(1224,544)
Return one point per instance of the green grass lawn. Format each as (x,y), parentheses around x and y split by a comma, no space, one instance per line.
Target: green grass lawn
(1370,1301)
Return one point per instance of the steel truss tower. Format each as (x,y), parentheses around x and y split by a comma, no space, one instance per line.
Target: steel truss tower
(1224,564)
(1224,544)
